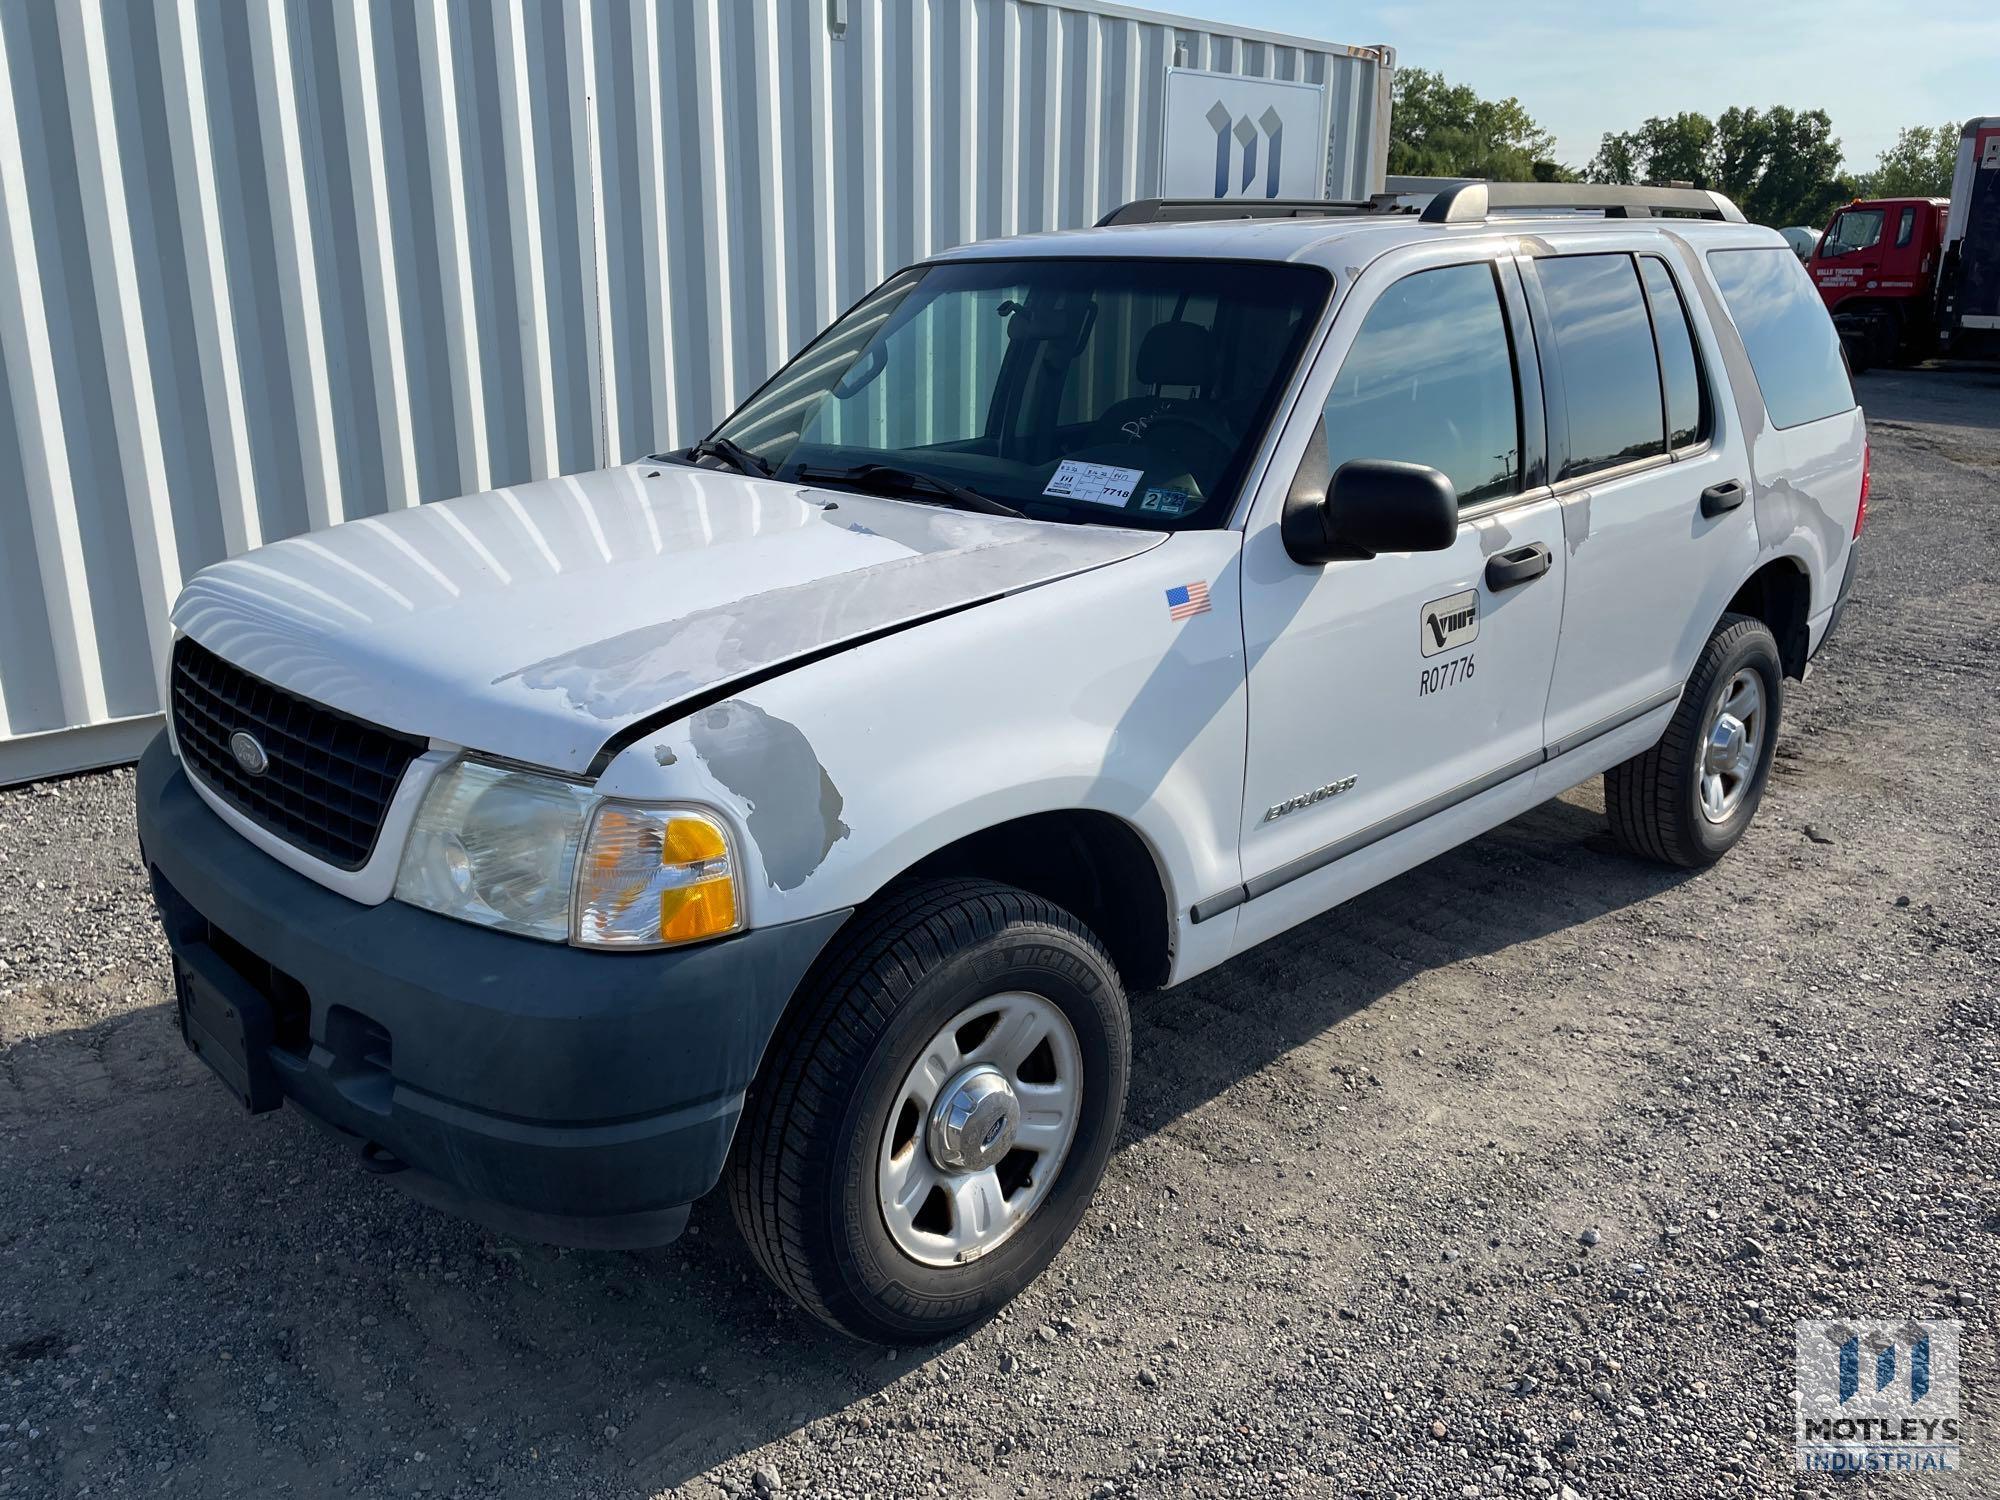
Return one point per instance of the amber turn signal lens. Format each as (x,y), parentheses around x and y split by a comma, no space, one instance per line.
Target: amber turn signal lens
(651,877)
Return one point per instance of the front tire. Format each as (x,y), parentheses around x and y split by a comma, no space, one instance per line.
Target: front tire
(1689,799)
(932,1123)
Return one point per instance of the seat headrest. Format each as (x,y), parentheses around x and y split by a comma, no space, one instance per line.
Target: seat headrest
(1176,353)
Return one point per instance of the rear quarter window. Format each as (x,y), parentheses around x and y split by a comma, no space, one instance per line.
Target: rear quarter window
(1785,326)
(1680,367)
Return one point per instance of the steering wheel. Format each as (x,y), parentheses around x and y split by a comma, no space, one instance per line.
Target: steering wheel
(1211,440)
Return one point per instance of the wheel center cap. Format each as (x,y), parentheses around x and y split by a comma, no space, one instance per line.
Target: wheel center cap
(1725,743)
(974,1120)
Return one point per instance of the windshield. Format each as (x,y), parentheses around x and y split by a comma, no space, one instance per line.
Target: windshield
(1853,229)
(1125,391)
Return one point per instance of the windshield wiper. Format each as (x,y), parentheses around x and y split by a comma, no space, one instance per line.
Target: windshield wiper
(886,479)
(732,453)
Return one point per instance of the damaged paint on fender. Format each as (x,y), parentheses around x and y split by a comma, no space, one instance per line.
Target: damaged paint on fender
(794,806)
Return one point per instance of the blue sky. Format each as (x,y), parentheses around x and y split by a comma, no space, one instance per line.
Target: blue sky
(1589,66)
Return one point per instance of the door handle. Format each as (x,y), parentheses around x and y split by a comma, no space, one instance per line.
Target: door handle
(1718,498)
(1506,570)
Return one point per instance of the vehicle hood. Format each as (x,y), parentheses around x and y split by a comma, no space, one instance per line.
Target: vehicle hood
(538,622)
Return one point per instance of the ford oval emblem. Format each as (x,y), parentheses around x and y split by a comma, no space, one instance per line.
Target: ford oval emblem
(249,754)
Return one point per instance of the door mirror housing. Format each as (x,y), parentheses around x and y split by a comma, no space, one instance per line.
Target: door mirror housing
(1370,505)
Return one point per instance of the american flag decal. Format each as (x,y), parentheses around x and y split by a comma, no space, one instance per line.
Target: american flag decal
(1185,599)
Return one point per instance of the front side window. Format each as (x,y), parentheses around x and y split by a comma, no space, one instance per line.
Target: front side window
(1853,229)
(1785,326)
(1133,392)
(1430,380)
(1680,373)
(1610,377)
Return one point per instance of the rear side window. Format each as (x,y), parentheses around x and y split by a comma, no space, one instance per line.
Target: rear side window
(1792,345)
(1430,380)
(1905,227)
(1611,380)
(1680,375)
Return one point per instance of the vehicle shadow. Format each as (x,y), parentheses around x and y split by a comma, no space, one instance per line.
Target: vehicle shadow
(297,1314)
(1933,395)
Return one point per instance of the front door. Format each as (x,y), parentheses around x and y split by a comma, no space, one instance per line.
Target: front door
(1387,689)
(1849,259)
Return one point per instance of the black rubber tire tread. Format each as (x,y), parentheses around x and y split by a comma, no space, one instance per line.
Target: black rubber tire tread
(1643,796)
(786,1135)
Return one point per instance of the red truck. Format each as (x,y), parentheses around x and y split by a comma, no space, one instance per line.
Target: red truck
(1908,277)
(1876,268)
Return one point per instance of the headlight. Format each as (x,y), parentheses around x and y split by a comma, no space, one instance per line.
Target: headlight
(652,876)
(508,849)
(496,847)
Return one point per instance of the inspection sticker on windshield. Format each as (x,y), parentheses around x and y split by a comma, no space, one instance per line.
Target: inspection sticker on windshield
(1168,502)
(1100,484)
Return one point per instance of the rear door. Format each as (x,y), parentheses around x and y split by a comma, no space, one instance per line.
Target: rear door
(1653,481)
(1388,689)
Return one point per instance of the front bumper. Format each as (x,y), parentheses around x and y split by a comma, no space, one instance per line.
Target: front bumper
(581,1098)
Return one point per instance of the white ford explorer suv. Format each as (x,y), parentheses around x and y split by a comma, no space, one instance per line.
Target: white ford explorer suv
(799,810)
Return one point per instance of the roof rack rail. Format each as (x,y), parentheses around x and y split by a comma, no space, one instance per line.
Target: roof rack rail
(1166,210)
(1453,202)
(1474,202)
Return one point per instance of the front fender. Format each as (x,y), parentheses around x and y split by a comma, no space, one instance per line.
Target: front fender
(1081,694)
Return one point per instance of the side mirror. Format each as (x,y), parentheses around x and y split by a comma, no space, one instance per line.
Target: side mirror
(1371,505)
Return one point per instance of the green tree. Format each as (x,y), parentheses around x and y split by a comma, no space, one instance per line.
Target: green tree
(1617,160)
(1782,166)
(1919,165)
(1680,149)
(1800,182)
(1740,148)
(1440,129)
(1666,149)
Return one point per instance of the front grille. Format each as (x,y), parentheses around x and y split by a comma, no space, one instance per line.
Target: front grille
(330,778)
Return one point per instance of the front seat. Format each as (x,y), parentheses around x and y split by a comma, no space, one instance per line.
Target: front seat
(1176,355)
(1181,415)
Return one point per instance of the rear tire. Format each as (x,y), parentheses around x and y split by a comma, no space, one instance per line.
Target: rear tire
(850,1112)
(1689,799)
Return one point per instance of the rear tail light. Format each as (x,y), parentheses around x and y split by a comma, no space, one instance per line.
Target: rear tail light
(1861,510)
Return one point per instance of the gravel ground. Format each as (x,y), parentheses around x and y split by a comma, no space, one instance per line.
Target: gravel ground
(1507,1178)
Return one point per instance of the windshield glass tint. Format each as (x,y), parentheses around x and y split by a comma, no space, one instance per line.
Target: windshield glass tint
(1611,376)
(1127,391)
(1430,380)
(1854,229)
(1680,372)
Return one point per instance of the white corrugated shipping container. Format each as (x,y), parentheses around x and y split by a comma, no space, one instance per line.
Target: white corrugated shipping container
(266,265)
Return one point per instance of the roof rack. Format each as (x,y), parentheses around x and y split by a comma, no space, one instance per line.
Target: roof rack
(1474,202)
(1453,202)
(1166,210)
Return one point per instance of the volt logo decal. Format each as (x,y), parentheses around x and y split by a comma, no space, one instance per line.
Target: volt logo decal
(1450,622)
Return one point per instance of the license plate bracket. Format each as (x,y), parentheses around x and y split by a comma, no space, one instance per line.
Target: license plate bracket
(226,1023)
